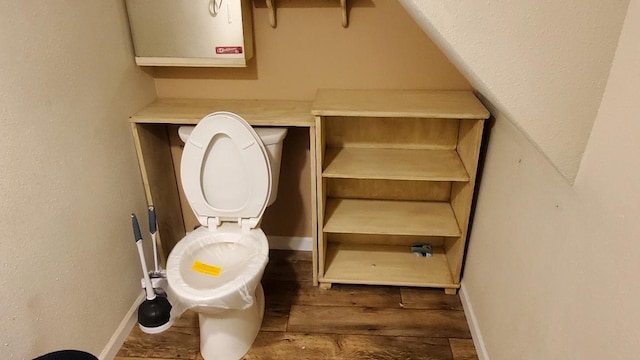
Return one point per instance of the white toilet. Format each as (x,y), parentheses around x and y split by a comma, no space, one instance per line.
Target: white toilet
(229,174)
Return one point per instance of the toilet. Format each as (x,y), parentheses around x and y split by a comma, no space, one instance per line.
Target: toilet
(229,174)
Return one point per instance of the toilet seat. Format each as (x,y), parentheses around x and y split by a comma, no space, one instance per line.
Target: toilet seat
(241,257)
(241,178)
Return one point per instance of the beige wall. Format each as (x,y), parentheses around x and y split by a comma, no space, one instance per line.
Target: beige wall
(68,267)
(543,64)
(382,48)
(552,269)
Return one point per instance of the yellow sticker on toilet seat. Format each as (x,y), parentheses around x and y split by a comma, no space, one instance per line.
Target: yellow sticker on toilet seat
(203,268)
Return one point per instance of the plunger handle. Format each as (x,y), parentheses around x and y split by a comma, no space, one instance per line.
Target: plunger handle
(152,219)
(138,239)
(137,235)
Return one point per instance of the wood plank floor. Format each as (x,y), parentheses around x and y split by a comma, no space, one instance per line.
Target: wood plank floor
(303,322)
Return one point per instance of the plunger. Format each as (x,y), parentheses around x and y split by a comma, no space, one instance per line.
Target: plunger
(155,311)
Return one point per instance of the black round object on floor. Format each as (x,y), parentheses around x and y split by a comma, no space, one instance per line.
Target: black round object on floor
(154,313)
(67,355)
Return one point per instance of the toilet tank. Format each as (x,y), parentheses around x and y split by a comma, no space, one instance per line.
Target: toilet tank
(272,139)
(215,33)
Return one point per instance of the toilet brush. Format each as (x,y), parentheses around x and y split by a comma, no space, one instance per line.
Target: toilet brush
(152,230)
(155,311)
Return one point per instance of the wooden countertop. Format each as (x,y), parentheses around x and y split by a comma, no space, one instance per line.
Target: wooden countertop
(256,112)
(440,104)
(371,103)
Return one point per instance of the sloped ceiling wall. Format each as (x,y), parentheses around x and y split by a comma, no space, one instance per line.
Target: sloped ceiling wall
(542,64)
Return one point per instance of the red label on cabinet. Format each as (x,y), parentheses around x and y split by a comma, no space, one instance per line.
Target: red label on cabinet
(221,50)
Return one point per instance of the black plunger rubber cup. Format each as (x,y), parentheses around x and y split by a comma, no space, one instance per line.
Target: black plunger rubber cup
(154,315)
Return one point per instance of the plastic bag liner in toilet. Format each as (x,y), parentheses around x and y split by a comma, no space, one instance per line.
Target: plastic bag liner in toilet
(215,271)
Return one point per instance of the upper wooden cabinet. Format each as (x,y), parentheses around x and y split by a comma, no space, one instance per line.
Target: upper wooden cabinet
(395,167)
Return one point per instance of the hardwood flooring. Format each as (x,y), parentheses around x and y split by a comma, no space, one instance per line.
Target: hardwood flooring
(303,322)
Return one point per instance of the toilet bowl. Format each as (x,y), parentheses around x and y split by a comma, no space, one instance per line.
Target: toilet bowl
(215,270)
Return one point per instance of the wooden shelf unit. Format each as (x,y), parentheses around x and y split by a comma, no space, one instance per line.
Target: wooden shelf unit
(395,167)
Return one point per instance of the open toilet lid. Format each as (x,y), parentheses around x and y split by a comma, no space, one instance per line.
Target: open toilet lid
(225,170)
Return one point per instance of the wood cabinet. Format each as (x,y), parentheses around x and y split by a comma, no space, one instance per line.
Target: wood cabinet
(390,168)
(395,167)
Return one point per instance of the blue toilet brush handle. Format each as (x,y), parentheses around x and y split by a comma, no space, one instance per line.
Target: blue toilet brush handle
(153,229)
(138,239)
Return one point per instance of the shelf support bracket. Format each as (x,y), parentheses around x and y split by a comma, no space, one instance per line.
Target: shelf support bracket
(272,13)
(271,5)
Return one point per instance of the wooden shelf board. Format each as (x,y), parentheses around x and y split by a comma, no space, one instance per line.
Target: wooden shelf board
(394,164)
(385,265)
(399,103)
(390,217)
(256,112)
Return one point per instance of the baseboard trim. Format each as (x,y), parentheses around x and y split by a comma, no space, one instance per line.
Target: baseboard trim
(290,243)
(120,335)
(472,321)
